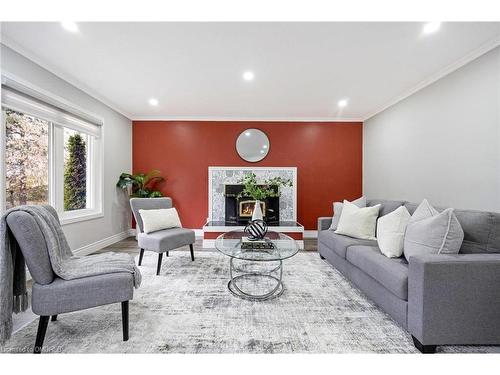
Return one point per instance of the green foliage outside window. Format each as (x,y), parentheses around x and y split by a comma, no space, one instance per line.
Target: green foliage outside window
(75,174)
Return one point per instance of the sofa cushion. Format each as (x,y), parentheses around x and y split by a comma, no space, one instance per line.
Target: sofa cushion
(62,296)
(339,243)
(391,232)
(392,273)
(386,206)
(358,222)
(337,210)
(432,232)
(167,239)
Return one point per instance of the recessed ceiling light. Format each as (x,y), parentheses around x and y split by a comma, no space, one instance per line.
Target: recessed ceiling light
(248,76)
(248,134)
(264,146)
(153,101)
(70,26)
(431,27)
(342,103)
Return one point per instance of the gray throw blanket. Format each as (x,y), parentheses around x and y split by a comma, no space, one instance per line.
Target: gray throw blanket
(13,294)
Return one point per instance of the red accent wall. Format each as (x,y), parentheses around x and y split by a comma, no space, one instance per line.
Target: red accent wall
(328,157)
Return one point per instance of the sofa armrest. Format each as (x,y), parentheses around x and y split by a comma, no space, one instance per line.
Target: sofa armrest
(454,299)
(324,222)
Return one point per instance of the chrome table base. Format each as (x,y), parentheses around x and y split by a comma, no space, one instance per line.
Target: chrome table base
(233,287)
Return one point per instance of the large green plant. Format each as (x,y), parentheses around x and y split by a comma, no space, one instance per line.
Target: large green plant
(262,191)
(75,174)
(141,184)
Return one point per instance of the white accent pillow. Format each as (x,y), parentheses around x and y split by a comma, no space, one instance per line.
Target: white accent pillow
(391,232)
(432,232)
(358,222)
(337,210)
(154,220)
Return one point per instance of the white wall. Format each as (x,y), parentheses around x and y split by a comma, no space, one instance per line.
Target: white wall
(117,136)
(442,143)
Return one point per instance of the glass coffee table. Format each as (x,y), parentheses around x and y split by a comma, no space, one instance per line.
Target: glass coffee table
(256,274)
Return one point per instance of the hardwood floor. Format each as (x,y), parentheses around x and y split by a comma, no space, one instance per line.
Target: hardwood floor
(129,245)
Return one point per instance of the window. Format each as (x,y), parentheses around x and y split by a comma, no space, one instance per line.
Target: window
(26,160)
(49,156)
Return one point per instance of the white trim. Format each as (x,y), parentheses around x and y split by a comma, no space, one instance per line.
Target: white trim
(244,119)
(310,234)
(213,168)
(6,41)
(438,75)
(101,244)
(210,244)
(197,232)
(223,229)
(27,88)
(70,217)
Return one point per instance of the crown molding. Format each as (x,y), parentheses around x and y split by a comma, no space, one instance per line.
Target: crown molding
(6,41)
(486,47)
(245,119)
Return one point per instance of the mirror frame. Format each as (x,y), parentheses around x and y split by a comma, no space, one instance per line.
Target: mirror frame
(268,145)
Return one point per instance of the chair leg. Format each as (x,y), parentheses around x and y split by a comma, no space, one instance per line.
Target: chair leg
(53,318)
(192,252)
(40,334)
(158,268)
(140,256)
(125,320)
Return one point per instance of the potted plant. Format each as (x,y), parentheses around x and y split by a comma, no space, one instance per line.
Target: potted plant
(259,192)
(141,185)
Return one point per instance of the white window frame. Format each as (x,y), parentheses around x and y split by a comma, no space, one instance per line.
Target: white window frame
(95,167)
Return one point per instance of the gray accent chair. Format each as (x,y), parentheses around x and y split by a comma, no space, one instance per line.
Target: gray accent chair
(161,241)
(439,299)
(52,295)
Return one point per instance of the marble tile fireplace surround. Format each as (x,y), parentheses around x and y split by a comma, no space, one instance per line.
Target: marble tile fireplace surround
(218,177)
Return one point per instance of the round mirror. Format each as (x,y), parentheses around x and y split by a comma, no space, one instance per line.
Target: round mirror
(252,145)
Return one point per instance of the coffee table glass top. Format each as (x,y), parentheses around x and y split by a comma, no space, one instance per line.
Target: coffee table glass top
(229,244)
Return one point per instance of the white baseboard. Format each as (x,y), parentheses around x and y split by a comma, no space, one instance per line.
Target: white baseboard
(98,245)
(310,234)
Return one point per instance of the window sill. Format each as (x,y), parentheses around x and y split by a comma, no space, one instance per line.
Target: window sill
(80,215)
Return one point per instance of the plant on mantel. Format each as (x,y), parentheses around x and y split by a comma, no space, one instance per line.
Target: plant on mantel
(141,185)
(259,192)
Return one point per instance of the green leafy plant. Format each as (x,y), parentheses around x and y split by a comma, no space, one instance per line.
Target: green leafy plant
(262,191)
(75,174)
(141,185)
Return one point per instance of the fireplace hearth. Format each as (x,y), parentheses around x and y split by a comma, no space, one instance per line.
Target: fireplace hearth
(239,210)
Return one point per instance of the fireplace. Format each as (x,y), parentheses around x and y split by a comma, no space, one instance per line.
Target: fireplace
(239,210)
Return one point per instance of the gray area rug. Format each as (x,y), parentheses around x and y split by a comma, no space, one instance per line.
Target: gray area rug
(188,309)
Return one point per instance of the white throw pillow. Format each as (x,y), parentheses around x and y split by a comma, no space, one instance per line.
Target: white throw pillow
(337,210)
(391,232)
(432,232)
(358,222)
(154,220)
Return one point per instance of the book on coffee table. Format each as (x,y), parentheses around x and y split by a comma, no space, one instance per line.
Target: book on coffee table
(248,244)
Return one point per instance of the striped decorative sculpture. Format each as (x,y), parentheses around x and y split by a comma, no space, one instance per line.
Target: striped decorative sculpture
(256,230)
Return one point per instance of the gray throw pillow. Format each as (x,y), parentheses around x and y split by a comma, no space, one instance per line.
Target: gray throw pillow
(432,232)
(337,211)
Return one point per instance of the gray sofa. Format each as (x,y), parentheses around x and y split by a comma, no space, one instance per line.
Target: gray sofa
(439,299)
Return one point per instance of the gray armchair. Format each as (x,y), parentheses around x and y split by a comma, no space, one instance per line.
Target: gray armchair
(163,240)
(52,295)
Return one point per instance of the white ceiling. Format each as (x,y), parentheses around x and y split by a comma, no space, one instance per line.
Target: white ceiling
(301,69)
